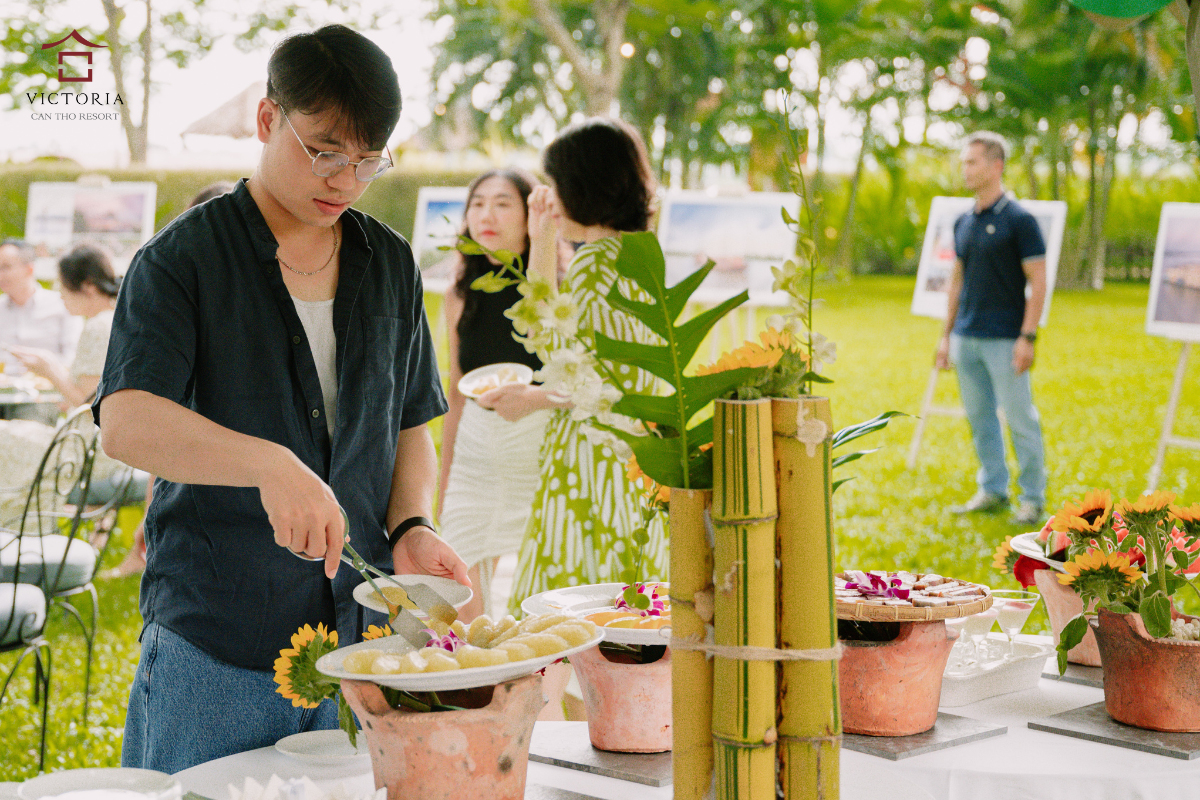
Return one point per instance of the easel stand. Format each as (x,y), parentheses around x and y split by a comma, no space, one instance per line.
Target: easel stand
(1168,437)
(929,409)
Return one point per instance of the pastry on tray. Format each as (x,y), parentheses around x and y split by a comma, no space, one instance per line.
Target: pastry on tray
(904,589)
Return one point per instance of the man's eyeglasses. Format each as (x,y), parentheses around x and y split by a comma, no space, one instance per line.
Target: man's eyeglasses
(326,164)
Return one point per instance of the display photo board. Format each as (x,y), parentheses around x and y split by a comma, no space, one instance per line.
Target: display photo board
(438,221)
(117,216)
(937,253)
(1174,305)
(745,236)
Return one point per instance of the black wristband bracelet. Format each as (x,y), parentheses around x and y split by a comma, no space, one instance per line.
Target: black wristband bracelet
(403,527)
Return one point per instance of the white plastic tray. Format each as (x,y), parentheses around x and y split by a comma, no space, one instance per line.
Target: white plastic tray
(960,688)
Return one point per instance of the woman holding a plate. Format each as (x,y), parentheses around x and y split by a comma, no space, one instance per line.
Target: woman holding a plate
(489,447)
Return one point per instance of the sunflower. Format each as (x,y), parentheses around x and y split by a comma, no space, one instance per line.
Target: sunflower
(750,355)
(653,491)
(296,672)
(1097,569)
(1089,516)
(1147,509)
(1005,557)
(1187,518)
(376,632)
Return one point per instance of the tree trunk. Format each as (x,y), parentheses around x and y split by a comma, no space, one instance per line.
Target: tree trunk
(600,86)
(1099,242)
(845,247)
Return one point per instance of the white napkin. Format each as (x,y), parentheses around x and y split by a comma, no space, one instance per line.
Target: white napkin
(297,789)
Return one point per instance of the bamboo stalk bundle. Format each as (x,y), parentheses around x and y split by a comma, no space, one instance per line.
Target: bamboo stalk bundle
(743,512)
(810,725)
(691,670)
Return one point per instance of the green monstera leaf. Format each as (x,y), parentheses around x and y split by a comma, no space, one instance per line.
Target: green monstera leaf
(671,454)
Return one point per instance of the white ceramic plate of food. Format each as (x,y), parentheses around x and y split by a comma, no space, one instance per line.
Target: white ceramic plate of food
(1026,544)
(479,382)
(322,748)
(117,783)
(580,601)
(331,665)
(451,591)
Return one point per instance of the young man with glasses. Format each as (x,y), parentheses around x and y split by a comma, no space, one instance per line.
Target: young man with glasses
(270,360)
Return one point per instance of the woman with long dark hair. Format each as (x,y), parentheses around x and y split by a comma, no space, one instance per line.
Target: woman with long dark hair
(489,446)
(585,510)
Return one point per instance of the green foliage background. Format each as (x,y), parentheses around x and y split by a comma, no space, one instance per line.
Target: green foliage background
(1100,383)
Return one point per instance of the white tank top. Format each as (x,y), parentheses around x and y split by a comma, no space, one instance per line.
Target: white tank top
(317,318)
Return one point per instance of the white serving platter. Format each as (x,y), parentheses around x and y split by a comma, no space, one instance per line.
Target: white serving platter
(331,664)
(322,748)
(452,591)
(580,601)
(116,782)
(991,678)
(1026,544)
(466,384)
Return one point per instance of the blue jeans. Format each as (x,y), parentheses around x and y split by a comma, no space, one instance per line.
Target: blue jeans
(186,707)
(986,381)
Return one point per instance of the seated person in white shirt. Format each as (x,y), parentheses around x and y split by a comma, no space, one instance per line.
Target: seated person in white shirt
(31,316)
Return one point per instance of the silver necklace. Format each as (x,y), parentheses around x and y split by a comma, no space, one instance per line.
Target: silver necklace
(315,271)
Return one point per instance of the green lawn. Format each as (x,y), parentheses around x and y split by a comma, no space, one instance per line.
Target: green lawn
(1101,385)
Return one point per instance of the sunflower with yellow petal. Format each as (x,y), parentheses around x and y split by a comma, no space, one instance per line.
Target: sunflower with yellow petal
(1097,572)
(376,632)
(1150,508)
(1005,557)
(652,491)
(296,671)
(1089,516)
(1187,518)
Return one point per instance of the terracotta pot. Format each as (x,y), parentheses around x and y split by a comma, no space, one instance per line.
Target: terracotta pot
(628,705)
(446,755)
(892,688)
(1062,604)
(1148,683)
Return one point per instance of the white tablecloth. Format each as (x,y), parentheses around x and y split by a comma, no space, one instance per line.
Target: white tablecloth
(1021,765)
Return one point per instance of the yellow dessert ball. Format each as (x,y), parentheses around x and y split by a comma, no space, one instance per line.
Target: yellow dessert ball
(516,650)
(386,664)
(458,629)
(575,633)
(412,662)
(360,660)
(438,660)
(543,644)
(540,622)
(468,656)
(481,631)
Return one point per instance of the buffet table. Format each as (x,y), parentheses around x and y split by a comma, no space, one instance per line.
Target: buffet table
(1022,763)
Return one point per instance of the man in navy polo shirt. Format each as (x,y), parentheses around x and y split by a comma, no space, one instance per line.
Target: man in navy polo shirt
(991,329)
(270,360)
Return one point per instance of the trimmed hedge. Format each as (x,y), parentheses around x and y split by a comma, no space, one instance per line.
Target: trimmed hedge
(392,199)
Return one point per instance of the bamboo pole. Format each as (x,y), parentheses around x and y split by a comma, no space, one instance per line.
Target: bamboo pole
(810,726)
(744,511)
(691,670)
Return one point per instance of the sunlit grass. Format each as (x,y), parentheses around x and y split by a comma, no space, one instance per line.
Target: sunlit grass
(1100,383)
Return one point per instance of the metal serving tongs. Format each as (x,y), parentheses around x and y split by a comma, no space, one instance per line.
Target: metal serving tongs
(403,621)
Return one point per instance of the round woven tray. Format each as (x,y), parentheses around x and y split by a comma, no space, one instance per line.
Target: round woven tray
(863,612)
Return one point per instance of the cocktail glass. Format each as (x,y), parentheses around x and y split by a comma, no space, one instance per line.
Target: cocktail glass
(976,628)
(1012,608)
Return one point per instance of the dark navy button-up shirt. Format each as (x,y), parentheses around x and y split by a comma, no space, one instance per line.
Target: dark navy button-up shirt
(992,245)
(204,319)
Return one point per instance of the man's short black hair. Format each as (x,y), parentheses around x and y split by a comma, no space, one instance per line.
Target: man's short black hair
(601,174)
(335,68)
